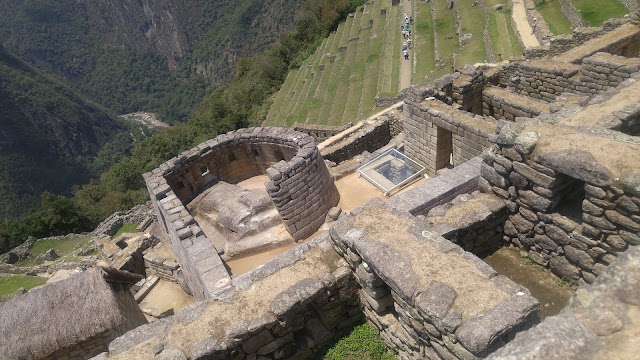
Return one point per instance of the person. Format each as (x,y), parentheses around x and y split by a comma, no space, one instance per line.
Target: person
(404,34)
(409,43)
(406,19)
(405,46)
(533,28)
(405,52)
(411,20)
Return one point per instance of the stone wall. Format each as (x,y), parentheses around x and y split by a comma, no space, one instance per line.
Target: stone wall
(621,41)
(572,205)
(428,309)
(596,324)
(319,132)
(467,89)
(546,79)
(602,70)
(424,121)
(299,185)
(561,44)
(420,199)
(162,268)
(287,309)
(366,136)
(505,105)
(472,221)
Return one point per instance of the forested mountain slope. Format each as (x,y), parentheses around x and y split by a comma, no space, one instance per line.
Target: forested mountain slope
(50,137)
(147,55)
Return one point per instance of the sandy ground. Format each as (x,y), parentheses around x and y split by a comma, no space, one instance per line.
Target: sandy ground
(519,14)
(542,284)
(255,183)
(165,296)
(164,251)
(355,191)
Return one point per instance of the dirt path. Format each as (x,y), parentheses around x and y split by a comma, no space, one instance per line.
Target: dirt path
(405,65)
(522,25)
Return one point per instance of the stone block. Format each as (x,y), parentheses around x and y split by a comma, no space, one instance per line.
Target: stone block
(563,269)
(481,334)
(436,300)
(557,338)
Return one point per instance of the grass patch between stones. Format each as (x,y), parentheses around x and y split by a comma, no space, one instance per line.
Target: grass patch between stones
(363,342)
(126,228)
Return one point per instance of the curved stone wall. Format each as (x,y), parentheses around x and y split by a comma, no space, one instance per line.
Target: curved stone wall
(299,184)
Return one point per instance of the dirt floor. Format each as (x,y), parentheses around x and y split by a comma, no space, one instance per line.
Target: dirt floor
(166,296)
(355,191)
(551,292)
(255,183)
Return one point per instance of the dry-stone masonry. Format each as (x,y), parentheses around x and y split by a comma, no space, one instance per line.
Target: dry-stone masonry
(436,132)
(429,298)
(319,132)
(299,185)
(288,308)
(600,321)
(472,221)
(573,196)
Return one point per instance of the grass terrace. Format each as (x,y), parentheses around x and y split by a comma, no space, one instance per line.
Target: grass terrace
(553,15)
(595,12)
(345,89)
(64,247)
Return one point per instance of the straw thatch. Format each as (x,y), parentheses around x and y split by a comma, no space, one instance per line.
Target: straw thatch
(61,315)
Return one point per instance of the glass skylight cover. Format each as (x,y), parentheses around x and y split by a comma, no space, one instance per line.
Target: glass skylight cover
(391,171)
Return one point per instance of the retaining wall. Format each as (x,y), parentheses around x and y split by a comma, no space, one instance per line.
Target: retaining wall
(161,267)
(545,79)
(570,204)
(319,132)
(561,44)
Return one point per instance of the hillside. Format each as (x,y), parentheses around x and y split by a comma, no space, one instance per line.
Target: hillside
(132,55)
(50,137)
(338,84)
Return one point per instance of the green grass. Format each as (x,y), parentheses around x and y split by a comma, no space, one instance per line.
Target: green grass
(362,343)
(445,25)
(12,283)
(126,228)
(423,43)
(595,12)
(62,247)
(345,90)
(473,50)
(553,15)
(499,26)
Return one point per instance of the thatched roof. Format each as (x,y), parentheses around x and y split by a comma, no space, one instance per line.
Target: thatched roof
(61,314)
